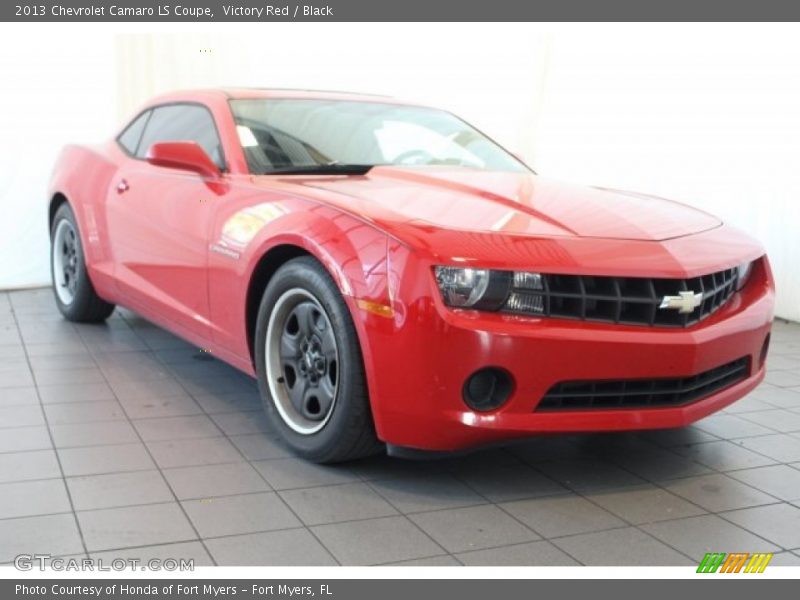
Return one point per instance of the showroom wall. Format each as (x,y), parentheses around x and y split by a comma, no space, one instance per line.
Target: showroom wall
(712,122)
(47,99)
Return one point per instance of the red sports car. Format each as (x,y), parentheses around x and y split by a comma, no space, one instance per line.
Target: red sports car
(395,278)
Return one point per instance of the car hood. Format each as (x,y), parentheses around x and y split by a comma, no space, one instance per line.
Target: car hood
(499,202)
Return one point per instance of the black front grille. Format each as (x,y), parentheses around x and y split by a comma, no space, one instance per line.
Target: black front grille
(641,393)
(626,300)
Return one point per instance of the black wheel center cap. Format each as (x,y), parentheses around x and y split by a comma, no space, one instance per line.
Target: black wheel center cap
(312,362)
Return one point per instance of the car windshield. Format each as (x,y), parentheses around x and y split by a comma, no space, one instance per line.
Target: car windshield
(350,137)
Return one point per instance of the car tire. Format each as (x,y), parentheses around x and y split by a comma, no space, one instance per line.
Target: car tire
(310,368)
(72,288)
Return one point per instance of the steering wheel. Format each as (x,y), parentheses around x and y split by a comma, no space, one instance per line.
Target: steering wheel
(413,157)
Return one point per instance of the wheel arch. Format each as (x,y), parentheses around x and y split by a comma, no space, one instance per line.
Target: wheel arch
(269,263)
(57,199)
(353,254)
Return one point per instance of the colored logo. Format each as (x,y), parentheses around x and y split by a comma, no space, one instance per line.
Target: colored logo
(736,562)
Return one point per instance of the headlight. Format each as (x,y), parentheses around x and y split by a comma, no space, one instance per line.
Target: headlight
(485,289)
(743,274)
(473,288)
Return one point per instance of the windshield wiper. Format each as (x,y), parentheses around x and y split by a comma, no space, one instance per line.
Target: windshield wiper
(329,169)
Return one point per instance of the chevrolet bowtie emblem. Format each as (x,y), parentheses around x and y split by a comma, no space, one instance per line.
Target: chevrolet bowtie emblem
(684,302)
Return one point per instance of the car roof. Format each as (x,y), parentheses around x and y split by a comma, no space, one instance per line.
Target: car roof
(256,93)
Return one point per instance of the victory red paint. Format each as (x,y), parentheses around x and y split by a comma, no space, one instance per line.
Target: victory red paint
(392,275)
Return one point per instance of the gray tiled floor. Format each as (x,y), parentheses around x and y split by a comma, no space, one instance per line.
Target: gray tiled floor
(120,440)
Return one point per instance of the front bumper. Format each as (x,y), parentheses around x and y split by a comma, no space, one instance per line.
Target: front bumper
(417,364)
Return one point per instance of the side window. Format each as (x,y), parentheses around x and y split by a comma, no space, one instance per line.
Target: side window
(182,123)
(129,139)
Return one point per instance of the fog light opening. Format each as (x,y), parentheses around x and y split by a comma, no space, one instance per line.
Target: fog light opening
(762,358)
(487,389)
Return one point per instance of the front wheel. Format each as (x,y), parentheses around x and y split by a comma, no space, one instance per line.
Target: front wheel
(74,292)
(309,365)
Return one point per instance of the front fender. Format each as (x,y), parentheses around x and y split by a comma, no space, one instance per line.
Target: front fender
(352,250)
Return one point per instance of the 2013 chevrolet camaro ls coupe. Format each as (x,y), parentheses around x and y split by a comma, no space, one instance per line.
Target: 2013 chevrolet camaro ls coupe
(394,278)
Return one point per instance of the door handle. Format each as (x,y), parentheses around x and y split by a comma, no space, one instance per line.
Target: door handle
(123,187)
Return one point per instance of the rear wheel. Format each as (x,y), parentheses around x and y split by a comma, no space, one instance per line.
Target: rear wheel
(310,368)
(73,290)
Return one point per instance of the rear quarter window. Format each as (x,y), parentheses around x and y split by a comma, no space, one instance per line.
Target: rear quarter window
(130,137)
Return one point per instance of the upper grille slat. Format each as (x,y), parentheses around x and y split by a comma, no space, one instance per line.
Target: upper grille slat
(625,300)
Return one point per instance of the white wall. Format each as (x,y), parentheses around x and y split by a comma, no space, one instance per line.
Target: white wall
(53,90)
(706,114)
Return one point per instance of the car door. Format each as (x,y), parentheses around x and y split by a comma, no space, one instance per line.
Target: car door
(158,220)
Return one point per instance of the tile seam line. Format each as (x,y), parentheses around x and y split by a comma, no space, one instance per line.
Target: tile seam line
(50,435)
(238,451)
(150,455)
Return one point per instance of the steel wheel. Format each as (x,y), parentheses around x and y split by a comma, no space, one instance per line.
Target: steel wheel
(309,366)
(302,361)
(65,261)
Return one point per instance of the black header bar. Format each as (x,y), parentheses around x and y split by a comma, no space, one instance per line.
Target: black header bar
(398,10)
